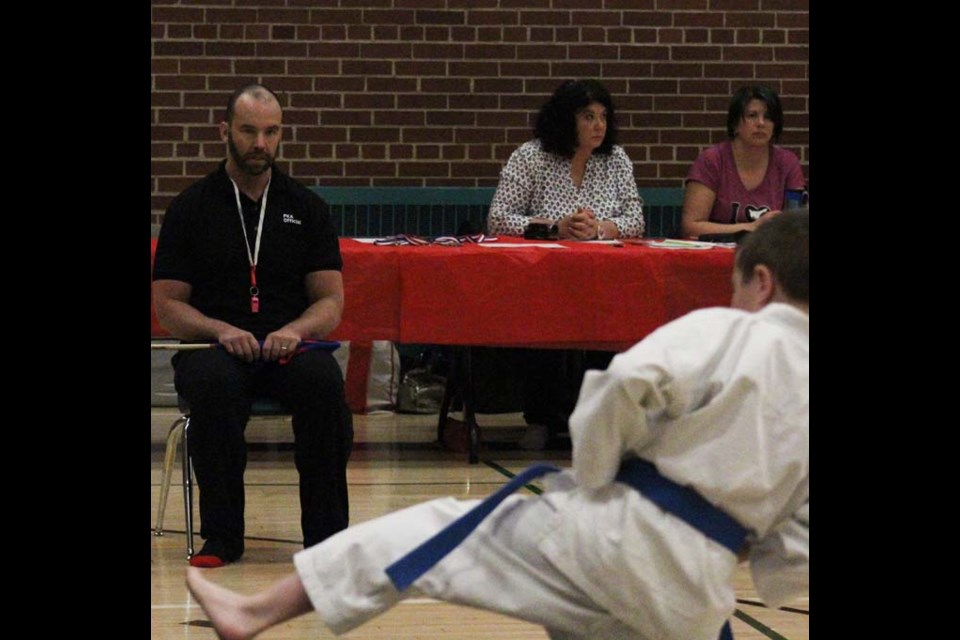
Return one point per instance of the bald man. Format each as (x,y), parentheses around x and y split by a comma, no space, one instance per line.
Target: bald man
(248,258)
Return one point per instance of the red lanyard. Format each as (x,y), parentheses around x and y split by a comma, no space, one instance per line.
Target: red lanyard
(252,256)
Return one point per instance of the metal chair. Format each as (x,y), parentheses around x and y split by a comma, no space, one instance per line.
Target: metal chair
(178,438)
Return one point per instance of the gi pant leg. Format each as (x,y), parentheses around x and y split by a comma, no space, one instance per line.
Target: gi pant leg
(499,567)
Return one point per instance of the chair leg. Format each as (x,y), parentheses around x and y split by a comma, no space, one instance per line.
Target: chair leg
(173,441)
(187,487)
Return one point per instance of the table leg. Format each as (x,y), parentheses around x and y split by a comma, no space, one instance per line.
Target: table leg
(468,408)
(460,378)
(449,391)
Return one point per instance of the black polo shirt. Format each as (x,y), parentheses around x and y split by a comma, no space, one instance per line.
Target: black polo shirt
(201,243)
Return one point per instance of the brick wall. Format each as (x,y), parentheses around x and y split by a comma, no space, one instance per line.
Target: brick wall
(440,92)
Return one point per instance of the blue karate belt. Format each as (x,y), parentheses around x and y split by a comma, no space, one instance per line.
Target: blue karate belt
(682,502)
(689,506)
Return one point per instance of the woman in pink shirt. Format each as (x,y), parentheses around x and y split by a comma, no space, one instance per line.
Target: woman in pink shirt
(738,184)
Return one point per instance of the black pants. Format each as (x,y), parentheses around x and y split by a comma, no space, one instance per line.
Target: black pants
(551,383)
(219,389)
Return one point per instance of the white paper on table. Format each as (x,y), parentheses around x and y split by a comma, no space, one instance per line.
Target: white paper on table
(543,245)
(613,243)
(521,245)
(685,244)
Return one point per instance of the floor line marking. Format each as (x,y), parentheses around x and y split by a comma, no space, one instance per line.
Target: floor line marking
(759,626)
(509,474)
(757,603)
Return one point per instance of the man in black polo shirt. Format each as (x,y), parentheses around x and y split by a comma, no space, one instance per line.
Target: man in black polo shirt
(248,258)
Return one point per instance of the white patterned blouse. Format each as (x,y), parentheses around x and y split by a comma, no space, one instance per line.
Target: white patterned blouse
(535,183)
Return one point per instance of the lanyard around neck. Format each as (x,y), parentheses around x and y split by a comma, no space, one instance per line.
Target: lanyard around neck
(253,256)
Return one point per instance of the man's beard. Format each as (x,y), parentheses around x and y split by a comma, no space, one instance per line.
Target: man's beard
(242,162)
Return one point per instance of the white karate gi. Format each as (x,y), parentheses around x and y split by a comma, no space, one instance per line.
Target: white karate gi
(717,400)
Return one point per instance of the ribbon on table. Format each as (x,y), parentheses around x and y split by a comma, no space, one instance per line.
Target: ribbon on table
(405,239)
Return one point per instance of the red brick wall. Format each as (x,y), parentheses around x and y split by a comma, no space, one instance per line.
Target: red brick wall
(440,92)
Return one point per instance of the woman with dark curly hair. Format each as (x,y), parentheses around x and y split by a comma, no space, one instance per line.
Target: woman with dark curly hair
(572,174)
(738,184)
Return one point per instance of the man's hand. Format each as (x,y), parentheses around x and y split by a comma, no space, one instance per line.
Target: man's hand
(240,343)
(282,342)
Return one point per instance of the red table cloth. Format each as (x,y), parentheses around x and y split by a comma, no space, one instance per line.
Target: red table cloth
(584,295)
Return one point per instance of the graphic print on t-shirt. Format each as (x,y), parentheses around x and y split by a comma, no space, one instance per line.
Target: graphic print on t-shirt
(751,212)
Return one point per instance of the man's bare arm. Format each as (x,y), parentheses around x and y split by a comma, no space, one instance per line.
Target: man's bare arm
(325,291)
(175,314)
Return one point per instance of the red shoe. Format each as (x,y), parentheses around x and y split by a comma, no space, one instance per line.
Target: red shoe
(206,562)
(211,556)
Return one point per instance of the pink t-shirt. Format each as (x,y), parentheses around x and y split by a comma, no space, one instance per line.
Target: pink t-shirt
(716,169)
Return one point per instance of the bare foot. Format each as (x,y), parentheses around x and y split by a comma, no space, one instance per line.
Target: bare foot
(226,609)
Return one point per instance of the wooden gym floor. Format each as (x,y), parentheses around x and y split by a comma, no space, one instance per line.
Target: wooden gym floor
(394,465)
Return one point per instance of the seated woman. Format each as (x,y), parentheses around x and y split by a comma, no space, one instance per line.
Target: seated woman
(736,185)
(573,174)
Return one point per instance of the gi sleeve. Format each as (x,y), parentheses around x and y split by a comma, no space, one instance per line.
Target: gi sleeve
(780,561)
(619,410)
